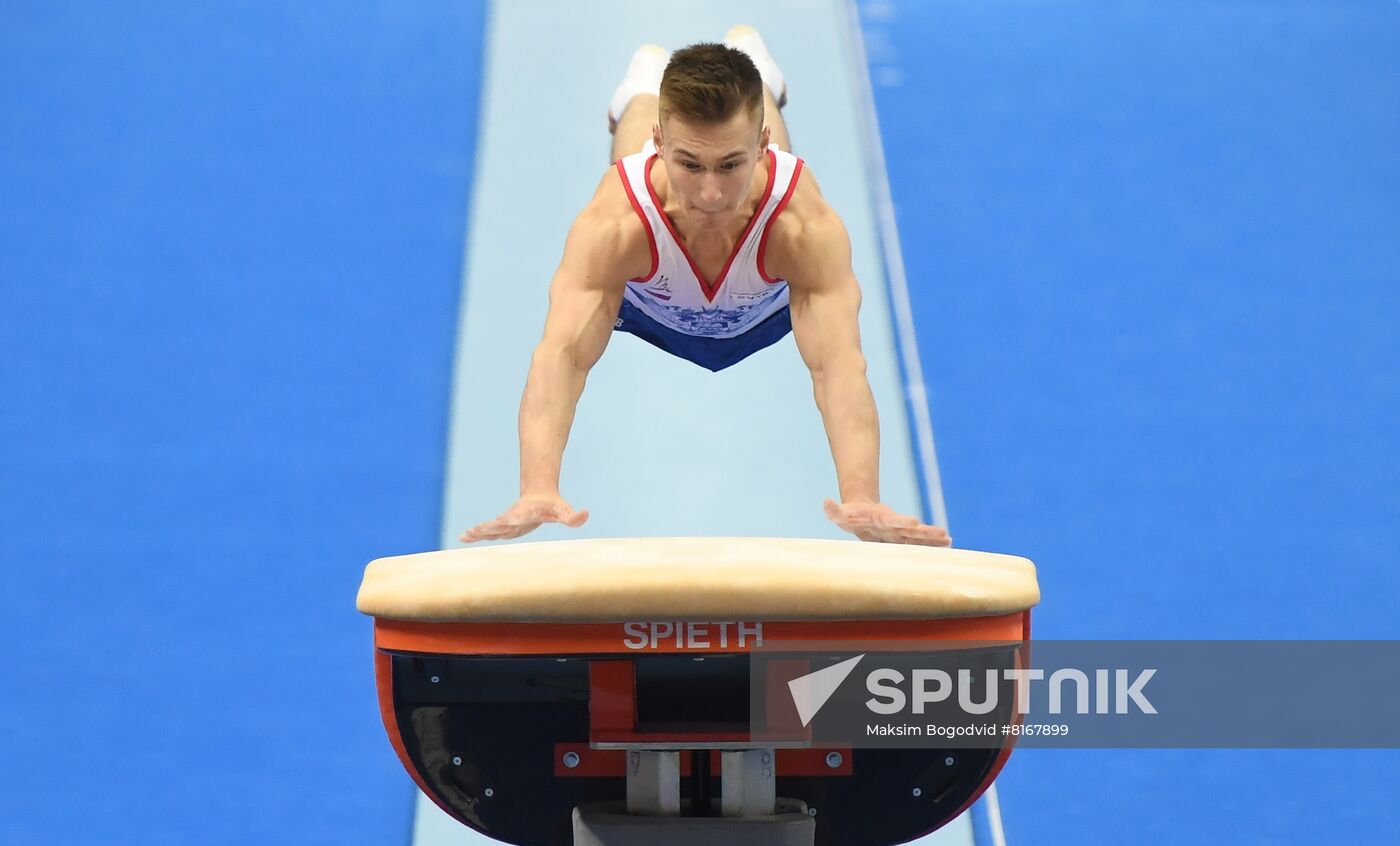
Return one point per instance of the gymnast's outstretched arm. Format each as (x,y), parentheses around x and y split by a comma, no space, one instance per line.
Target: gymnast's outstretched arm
(584,298)
(813,252)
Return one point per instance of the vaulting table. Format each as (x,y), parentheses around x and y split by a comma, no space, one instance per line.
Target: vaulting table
(602,691)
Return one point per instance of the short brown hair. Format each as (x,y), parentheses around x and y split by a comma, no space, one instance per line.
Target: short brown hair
(710,83)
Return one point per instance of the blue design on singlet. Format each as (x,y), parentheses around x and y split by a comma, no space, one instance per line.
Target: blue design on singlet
(713,354)
(711,322)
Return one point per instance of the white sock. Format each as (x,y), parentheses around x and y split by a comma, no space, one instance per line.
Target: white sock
(643,77)
(746,38)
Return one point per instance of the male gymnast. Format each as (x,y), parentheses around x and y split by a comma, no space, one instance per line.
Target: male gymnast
(718,253)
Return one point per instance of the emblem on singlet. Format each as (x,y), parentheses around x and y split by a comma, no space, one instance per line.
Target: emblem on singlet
(660,288)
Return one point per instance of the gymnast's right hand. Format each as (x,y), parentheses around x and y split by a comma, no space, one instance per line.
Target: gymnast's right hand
(525,516)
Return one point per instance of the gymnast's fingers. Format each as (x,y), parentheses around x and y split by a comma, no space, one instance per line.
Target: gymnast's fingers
(573,519)
(925,536)
(886,516)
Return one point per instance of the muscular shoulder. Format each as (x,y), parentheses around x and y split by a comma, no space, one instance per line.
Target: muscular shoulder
(808,236)
(607,235)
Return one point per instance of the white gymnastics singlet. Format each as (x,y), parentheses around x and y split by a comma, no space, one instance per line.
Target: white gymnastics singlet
(674,293)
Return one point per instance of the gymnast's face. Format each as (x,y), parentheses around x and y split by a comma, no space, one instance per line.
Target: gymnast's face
(710,166)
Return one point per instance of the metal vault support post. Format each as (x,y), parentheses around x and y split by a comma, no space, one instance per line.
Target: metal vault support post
(752,815)
(747,784)
(654,783)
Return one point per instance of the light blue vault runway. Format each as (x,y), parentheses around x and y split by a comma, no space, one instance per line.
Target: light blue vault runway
(755,458)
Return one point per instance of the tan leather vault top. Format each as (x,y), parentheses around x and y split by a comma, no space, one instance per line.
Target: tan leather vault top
(623,579)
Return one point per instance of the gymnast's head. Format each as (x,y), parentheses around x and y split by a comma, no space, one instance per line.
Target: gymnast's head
(710,134)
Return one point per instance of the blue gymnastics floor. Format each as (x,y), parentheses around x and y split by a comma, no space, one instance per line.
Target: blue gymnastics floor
(1153,264)
(232,238)
(1156,286)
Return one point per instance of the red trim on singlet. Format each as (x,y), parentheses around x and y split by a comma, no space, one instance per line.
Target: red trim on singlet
(708,289)
(646,224)
(768,227)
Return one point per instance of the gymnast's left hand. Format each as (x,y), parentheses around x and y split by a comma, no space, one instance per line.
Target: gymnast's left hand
(875,521)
